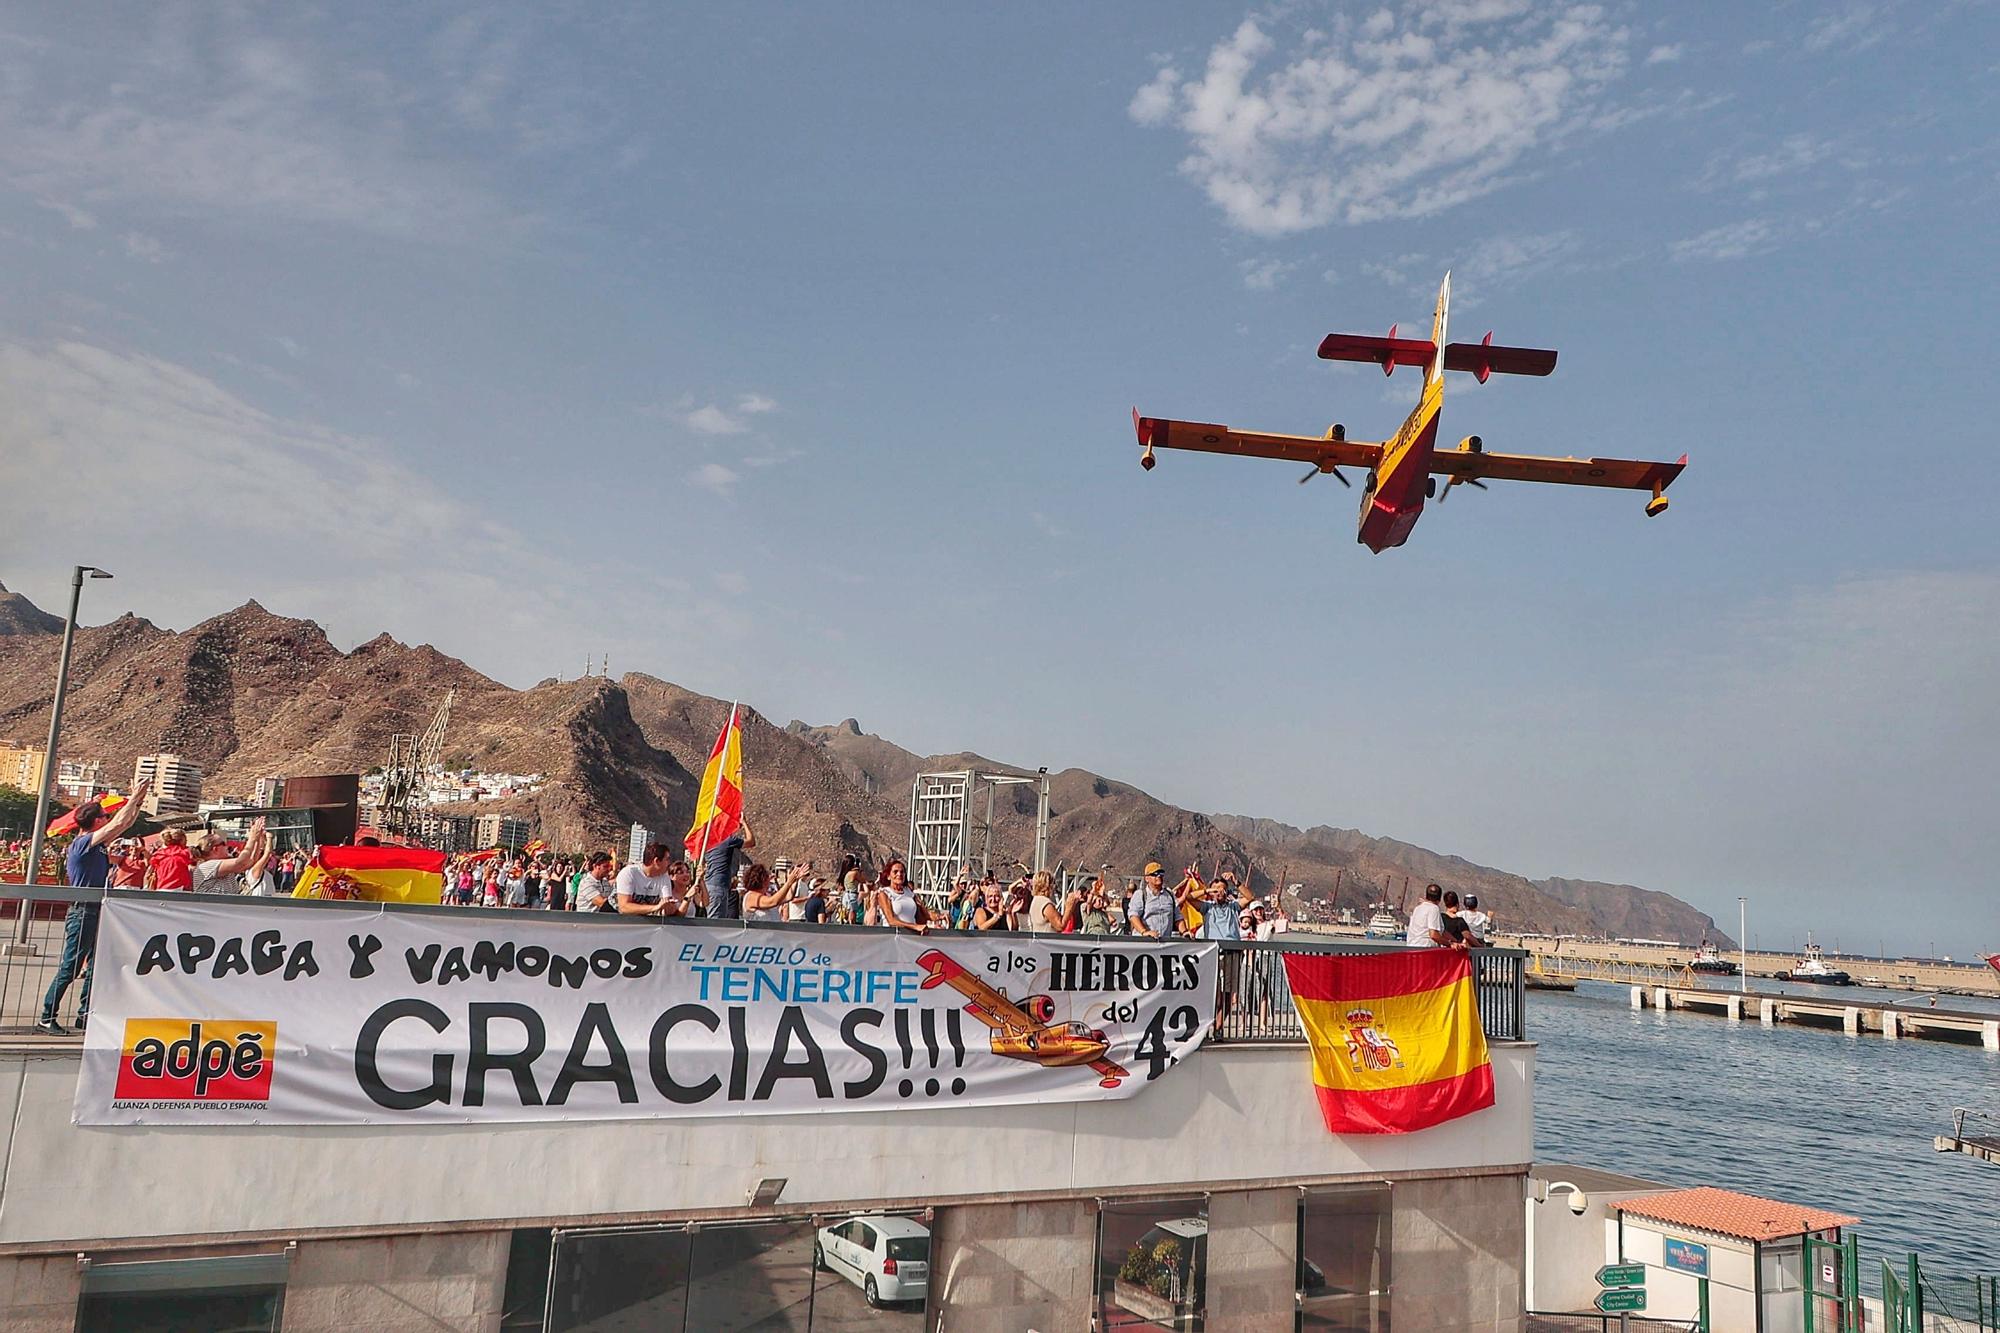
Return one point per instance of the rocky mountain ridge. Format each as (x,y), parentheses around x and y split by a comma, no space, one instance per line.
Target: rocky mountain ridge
(248,693)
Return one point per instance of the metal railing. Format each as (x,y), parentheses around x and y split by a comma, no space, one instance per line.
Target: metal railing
(1256,999)
(1254,1003)
(1542,1321)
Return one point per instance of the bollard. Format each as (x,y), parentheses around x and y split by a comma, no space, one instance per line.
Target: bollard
(1767,1012)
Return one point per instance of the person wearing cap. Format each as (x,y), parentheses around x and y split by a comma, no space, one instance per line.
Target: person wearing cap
(86,866)
(1478,920)
(1151,909)
(216,873)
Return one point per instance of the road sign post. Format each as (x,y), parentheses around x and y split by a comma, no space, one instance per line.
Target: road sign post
(1624,1291)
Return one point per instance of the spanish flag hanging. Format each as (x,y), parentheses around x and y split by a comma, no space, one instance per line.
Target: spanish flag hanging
(718,811)
(1396,1041)
(374,875)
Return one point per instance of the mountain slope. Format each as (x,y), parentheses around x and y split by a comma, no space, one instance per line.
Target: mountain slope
(249,693)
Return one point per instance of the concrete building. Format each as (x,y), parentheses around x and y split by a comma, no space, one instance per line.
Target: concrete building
(635,849)
(447,833)
(1217,1199)
(176,784)
(24,767)
(80,780)
(270,792)
(503,831)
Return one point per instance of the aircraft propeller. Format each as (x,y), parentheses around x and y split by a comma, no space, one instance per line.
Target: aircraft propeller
(1338,475)
(1457,481)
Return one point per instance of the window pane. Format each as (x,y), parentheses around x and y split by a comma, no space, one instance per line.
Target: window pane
(610,1282)
(1152,1264)
(239,1309)
(1344,1245)
(758,1276)
(874,1275)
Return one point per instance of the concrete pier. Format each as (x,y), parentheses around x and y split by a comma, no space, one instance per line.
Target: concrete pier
(1892,1022)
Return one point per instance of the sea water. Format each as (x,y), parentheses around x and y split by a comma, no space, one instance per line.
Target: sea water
(1803,1114)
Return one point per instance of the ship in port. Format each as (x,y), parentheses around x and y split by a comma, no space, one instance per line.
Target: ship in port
(1384,924)
(1709,959)
(1814,968)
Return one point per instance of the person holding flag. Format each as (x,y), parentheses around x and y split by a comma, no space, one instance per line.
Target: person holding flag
(720,833)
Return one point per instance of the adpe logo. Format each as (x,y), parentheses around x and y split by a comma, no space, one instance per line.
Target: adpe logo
(193,1059)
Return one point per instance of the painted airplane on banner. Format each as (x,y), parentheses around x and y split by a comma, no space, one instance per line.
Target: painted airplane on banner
(1403,470)
(1023,1031)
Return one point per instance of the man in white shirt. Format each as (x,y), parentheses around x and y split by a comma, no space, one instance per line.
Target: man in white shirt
(651,888)
(1427,921)
(594,891)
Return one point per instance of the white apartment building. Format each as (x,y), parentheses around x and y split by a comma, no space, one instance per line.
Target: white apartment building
(176,784)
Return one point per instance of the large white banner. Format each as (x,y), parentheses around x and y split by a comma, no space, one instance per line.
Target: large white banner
(246,1011)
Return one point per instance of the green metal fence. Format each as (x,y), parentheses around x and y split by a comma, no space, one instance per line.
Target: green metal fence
(1915,1300)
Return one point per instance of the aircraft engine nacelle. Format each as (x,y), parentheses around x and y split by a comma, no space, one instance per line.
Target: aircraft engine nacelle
(1040,1008)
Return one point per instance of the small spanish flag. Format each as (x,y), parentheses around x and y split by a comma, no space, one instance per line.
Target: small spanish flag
(1396,1041)
(718,811)
(374,874)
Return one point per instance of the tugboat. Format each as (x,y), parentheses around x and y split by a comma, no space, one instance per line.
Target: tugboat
(1708,959)
(1384,924)
(1813,968)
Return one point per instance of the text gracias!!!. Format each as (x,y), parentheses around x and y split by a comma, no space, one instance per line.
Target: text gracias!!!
(510,1038)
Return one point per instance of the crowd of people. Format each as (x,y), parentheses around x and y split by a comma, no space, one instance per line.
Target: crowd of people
(730,883)
(727,881)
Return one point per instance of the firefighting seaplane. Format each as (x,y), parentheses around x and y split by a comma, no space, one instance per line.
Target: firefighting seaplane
(1403,471)
(1022,1031)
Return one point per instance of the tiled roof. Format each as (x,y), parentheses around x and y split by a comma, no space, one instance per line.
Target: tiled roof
(1728,1213)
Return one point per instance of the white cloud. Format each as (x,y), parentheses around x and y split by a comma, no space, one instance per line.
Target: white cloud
(143,247)
(230,123)
(1262,275)
(755,404)
(712,420)
(1855,28)
(1501,261)
(714,477)
(1398,118)
(1665,55)
(79,219)
(1734,240)
(1792,155)
(198,481)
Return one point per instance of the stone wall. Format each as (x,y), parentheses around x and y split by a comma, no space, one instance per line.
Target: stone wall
(433,1282)
(1461,1246)
(1008,1267)
(39,1294)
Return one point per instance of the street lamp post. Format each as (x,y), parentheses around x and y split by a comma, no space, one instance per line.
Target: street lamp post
(40,830)
(1742,947)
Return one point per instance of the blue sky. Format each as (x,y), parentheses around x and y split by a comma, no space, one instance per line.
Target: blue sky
(788,354)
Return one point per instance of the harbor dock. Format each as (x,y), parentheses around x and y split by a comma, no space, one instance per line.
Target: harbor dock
(1845,1011)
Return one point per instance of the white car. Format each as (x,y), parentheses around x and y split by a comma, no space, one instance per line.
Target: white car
(889,1258)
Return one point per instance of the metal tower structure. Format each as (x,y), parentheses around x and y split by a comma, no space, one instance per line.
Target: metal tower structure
(412,759)
(946,831)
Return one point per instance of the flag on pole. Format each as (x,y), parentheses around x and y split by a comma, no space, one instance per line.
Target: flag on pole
(1395,1037)
(108,802)
(374,874)
(718,811)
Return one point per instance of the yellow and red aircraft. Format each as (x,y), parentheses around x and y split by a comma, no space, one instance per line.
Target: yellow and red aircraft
(1400,469)
(1023,1031)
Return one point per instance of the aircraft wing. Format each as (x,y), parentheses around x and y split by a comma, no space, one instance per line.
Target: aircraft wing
(1630,474)
(1161,433)
(983,1002)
